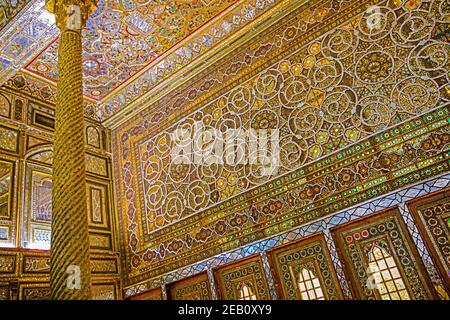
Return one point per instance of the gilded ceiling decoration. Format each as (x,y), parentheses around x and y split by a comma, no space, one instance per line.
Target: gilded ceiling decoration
(324,93)
(122,37)
(28,33)
(129,47)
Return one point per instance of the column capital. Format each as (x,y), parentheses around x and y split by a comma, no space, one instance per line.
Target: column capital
(71,14)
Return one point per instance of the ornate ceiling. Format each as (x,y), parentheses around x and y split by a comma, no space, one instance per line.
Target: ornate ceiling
(130,46)
(123,37)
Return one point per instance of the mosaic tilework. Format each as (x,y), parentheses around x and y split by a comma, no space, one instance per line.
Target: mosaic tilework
(212,284)
(269,275)
(420,245)
(255,214)
(397,198)
(343,281)
(164,292)
(121,38)
(25,36)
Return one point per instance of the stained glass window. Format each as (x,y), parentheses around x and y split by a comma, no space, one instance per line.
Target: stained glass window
(309,285)
(386,276)
(246,292)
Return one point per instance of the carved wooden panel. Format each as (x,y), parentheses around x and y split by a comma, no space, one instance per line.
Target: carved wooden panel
(193,288)
(8,264)
(303,270)
(32,291)
(98,204)
(242,280)
(9,139)
(4,291)
(5,106)
(103,291)
(432,216)
(380,259)
(154,294)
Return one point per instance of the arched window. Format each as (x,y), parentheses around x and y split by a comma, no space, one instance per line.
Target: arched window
(309,285)
(385,274)
(246,292)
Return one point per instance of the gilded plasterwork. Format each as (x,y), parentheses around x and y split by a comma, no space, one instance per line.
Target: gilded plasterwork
(34,292)
(7,263)
(38,264)
(104,292)
(93,136)
(97,205)
(45,157)
(8,139)
(4,292)
(5,106)
(325,93)
(96,165)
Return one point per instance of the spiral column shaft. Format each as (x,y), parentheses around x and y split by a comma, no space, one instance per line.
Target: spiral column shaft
(70,275)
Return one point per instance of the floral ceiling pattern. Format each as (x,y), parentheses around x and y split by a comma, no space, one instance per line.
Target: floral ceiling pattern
(24,31)
(124,36)
(130,47)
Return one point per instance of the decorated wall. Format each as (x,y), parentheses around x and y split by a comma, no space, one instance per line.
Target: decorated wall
(26,134)
(362,113)
(358,207)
